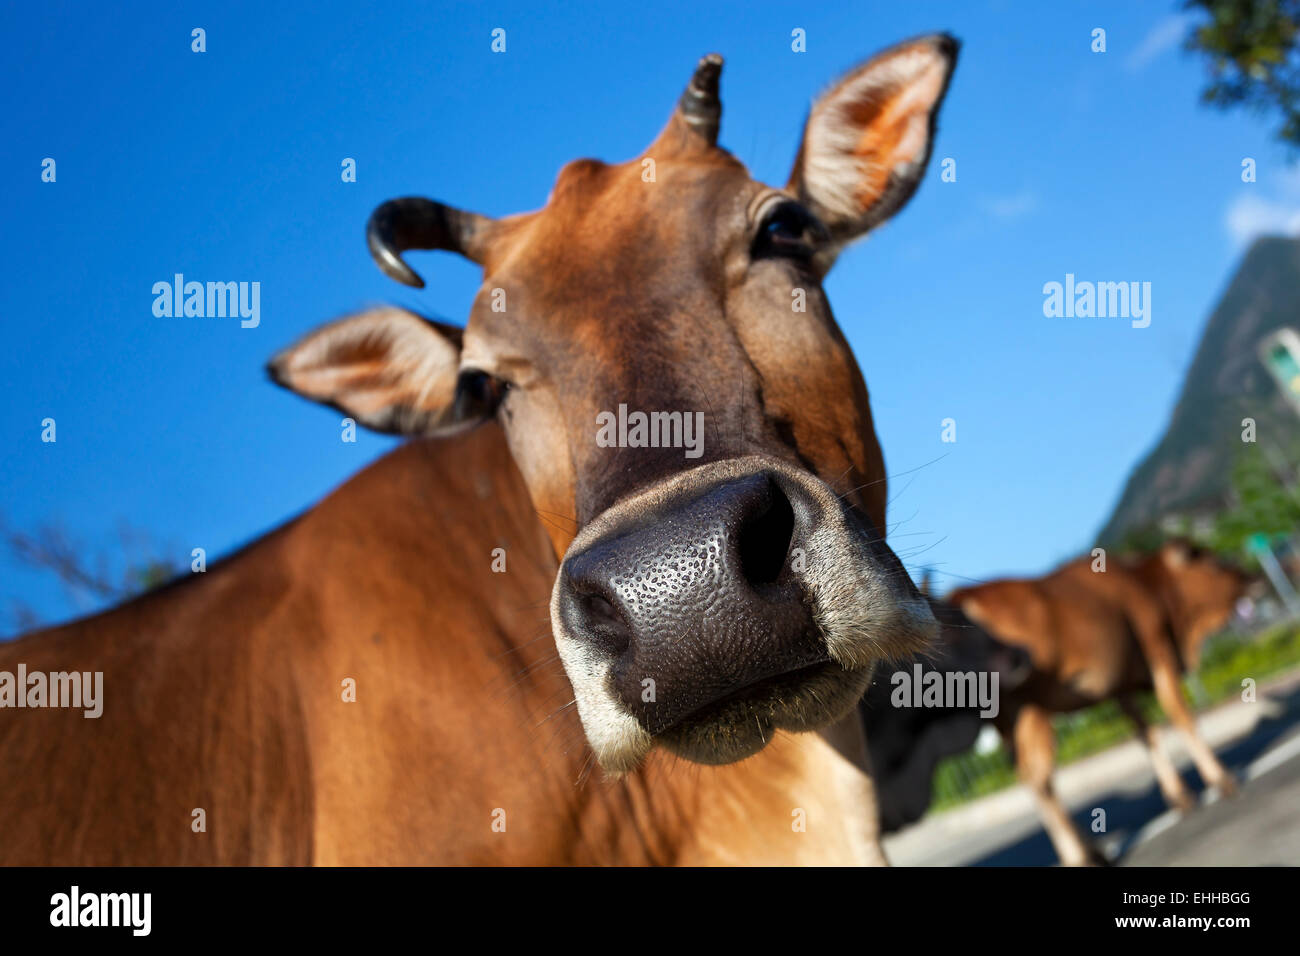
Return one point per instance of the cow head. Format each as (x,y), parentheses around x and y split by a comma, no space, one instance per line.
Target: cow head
(688,418)
(1200,590)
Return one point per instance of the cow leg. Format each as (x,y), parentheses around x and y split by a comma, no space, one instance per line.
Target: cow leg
(1170,695)
(1035,745)
(1171,784)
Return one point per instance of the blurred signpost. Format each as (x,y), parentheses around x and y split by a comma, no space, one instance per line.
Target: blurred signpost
(1280,353)
(1261,548)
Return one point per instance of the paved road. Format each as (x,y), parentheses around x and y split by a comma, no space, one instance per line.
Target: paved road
(1259,827)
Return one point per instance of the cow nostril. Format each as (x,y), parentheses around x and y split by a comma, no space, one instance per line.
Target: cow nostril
(599,609)
(764,539)
(599,621)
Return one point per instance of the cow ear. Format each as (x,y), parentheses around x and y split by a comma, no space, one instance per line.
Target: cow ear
(391,370)
(868,139)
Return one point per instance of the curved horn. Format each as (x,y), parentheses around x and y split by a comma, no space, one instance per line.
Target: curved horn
(700,106)
(416,223)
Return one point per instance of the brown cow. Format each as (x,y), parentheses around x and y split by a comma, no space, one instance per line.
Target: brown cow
(1096,635)
(708,601)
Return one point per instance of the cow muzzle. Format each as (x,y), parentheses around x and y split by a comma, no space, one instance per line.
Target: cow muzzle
(731,601)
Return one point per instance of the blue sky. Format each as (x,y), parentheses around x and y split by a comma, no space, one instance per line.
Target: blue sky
(225,166)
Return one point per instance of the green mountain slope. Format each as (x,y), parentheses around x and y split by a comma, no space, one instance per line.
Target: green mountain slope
(1187,472)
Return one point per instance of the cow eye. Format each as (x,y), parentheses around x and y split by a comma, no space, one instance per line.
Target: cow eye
(478,393)
(788,230)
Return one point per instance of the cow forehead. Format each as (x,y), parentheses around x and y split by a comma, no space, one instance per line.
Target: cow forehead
(596,210)
(612,241)
(584,179)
